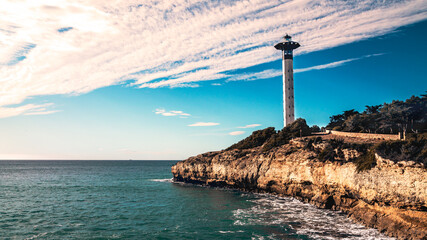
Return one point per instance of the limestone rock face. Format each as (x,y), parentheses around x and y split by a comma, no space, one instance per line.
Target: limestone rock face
(390,197)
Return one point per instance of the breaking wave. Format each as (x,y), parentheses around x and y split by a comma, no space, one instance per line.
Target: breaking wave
(303,219)
(170,180)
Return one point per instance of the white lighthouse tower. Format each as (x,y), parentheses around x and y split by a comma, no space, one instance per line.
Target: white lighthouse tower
(287,48)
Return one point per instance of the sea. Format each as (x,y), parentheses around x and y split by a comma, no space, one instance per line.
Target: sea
(139,200)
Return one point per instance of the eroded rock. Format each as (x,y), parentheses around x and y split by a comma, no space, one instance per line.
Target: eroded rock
(390,197)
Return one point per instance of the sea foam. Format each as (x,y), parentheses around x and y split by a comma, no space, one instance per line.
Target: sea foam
(302,218)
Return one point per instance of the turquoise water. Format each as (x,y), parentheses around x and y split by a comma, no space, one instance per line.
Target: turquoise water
(137,200)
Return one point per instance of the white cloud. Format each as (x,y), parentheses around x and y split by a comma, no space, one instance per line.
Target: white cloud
(250,126)
(270,73)
(236,133)
(323,66)
(203,124)
(42,113)
(335,64)
(165,113)
(28,109)
(173,44)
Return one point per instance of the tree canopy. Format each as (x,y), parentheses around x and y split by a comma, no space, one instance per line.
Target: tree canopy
(409,115)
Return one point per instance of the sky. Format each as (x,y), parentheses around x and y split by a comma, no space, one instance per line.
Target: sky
(165,80)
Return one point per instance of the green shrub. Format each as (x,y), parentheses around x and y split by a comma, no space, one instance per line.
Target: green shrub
(293,130)
(315,128)
(366,161)
(276,140)
(416,136)
(412,150)
(298,128)
(360,147)
(334,149)
(337,128)
(309,144)
(327,154)
(257,138)
(268,138)
(290,151)
(337,143)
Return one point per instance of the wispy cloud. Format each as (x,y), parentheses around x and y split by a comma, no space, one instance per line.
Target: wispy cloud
(165,113)
(203,124)
(323,66)
(236,133)
(28,109)
(250,126)
(334,64)
(73,47)
(42,112)
(270,73)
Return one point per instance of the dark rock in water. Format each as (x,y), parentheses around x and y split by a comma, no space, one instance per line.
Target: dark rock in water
(390,196)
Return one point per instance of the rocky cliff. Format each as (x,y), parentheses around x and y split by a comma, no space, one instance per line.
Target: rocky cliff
(391,196)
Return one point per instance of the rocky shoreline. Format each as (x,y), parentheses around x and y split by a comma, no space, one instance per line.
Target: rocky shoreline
(391,196)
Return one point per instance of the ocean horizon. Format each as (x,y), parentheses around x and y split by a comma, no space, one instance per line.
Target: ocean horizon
(112,199)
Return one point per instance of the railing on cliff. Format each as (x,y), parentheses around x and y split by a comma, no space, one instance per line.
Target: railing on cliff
(366,135)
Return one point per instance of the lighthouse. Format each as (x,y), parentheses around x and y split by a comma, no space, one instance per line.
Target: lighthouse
(287,47)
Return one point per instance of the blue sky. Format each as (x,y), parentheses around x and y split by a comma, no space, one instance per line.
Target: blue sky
(117,87)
